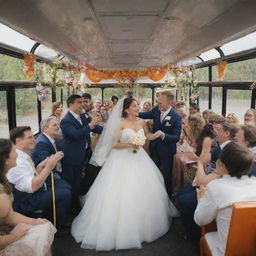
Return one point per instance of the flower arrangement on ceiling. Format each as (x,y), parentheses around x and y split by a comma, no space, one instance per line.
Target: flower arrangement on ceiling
(181,77)
(29,63)
(124,76)
(221,70)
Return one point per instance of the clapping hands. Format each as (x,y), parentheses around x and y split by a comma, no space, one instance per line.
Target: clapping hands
(53,159)
(95,120)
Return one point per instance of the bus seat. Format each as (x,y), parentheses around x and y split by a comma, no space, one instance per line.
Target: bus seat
(242,232)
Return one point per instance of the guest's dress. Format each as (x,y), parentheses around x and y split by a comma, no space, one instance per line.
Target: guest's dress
(36,242)
(126,205)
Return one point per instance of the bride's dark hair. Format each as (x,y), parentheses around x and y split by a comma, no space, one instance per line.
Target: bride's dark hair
(126,105)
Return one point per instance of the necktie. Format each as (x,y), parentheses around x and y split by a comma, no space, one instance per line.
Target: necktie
(162,116)
(79,120)
(58,167)
(35,172)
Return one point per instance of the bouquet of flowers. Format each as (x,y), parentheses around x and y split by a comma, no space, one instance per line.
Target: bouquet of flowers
(137,139)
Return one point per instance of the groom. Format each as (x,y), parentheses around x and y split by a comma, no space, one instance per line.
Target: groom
(167,128)
(76,129)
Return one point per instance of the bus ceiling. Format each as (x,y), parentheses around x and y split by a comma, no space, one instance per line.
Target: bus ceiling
(130,34)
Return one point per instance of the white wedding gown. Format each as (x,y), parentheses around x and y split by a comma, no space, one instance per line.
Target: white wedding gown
(126,205)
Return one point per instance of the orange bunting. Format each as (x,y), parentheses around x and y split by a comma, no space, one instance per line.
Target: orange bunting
(221,69)
(94,75)
(29,61)
(157,74)
(124,75)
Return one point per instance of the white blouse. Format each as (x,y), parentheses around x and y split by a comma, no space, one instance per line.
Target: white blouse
(217,204)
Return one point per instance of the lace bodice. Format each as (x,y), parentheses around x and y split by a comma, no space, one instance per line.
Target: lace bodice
(127,132)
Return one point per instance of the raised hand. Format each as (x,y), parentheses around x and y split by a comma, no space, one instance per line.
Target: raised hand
(95,120)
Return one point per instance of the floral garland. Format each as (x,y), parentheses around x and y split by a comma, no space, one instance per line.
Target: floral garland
(221,69)
(41,92)
(124,75)
(29,62)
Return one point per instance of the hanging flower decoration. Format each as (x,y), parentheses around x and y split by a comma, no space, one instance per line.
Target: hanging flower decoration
(124,76)
(157,74)
(221,69)
(41,92)
(29,62)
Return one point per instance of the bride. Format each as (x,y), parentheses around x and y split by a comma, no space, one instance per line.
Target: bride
(128,203)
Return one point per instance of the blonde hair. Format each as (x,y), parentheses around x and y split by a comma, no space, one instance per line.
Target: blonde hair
(55,105)
(168,93)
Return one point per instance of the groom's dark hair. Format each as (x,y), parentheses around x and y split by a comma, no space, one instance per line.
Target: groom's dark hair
(71,99)
(126,105)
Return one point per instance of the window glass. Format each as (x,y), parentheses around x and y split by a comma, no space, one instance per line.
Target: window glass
(10,37)
(26,108)
(239,71)
(65,96)
(209,55)
(203,98)
(46,52)
(217,99)
(245,43)
(238,101)
(201,74)
(46,105)
(11,68)
(4,127)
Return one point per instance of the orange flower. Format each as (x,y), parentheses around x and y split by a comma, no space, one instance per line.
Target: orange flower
(29,61)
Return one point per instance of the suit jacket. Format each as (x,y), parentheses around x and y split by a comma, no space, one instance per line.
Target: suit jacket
(171,126)
(76,139)
(42,149)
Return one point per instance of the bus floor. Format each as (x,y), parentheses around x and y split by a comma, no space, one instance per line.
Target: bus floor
(171,244)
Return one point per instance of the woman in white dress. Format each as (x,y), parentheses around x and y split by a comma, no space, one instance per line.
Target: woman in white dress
(128,203)
(19,235)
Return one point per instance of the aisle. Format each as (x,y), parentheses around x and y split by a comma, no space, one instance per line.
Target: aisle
(171,244)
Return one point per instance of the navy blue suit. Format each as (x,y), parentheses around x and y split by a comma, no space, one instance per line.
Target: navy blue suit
(162,150)
(43,199)
(77,150)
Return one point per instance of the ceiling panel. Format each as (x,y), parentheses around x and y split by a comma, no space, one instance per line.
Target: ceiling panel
(129,5)
(128,27)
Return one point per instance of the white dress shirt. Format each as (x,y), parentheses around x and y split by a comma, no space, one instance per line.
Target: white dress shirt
(164,114)
(58,166)
(21,175)
(76,116)
(217,204)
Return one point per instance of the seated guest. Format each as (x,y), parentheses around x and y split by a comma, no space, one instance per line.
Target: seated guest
(147,106)
(246,136)
(250,117)
(114,99)
(195,125)
(31,191)
(193,108)
(87,103)
(207,114)
(216,200)
(233,119)
(104,114)
(57,109)
(186,197)
(19,235)
(45,144)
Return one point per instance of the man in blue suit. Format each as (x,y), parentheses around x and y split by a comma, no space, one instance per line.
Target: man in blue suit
(76,129)
(167,127)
